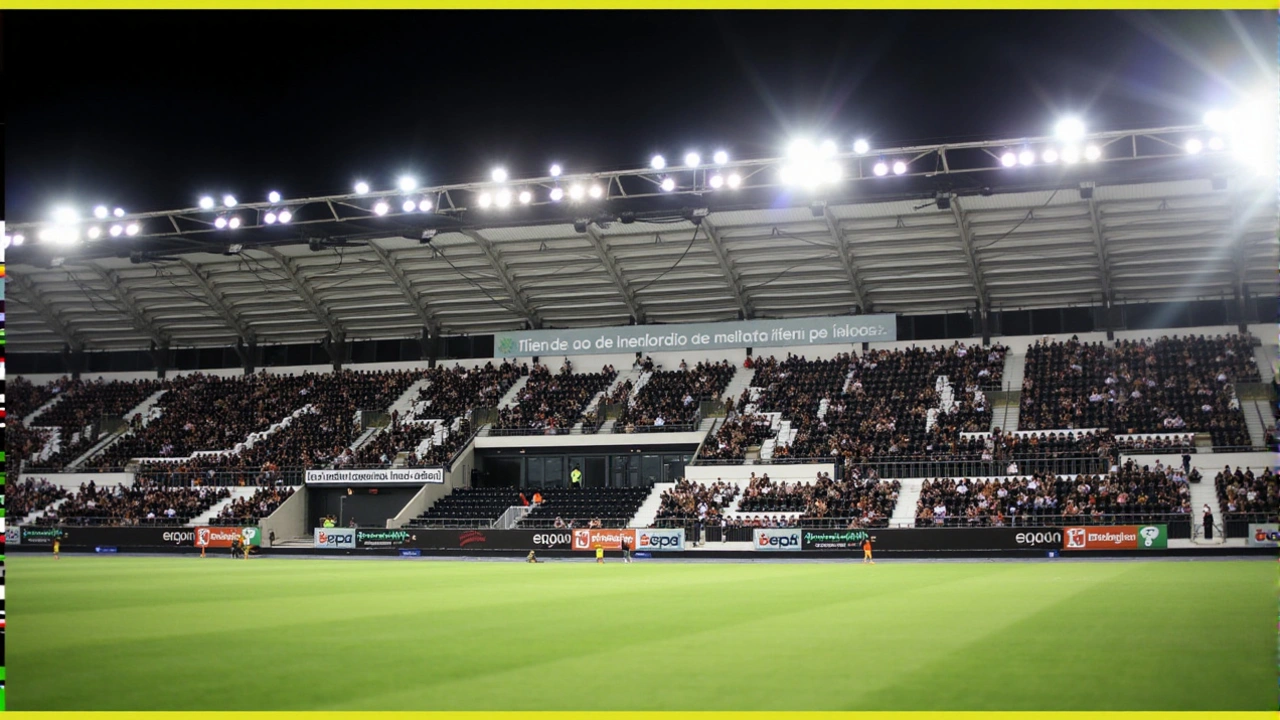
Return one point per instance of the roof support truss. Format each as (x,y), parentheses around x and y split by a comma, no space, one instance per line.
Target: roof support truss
(730,275)
(495,260)
(1100,242)
(428,316)
(299,283)
(610,266)
(217,303)
(135,313)
(966,239)
(846,259)
(32,298)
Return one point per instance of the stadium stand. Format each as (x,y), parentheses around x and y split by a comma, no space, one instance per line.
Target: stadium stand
(29,495)
(596,507)
(247,511)
(552,404)
(140,504)
(735,435)
(685,500)
(1249,497)
(668,400)
(852,502)
(77,414)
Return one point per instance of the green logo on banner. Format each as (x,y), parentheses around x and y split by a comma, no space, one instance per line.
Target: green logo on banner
(506,345)
(1153,537)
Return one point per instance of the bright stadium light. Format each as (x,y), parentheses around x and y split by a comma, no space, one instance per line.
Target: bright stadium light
(829,149)
(1092,153)
(1194,146)
(409,206)
(362,188)
(880,169)
(862,147)
(133,229)
(503,198)
(485,199)
(116,230)
(94,232)
(899,167)
(65,216)
(269,218)
(220,223)
(668,184)
(206,203)
(1217,120)
(658,162)
(1070,130)
(1026,157)
(233,223)
(692,159)
(833,172)
(557,194)
(273,197)
(721,157)
(229,201)
(424,206)
(408,184)
(499,175)
(577,192)
(18,240)
(1008,159)
(118,212)
(734,180)
(1071,155)
(100,212)
(1050,156)
(555,170)
(1216,143)
(526,197)
(799,149)
(717,181)
(285,216)
(596,191)
(381,208)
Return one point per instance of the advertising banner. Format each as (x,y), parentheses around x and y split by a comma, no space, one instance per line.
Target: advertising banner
(12,536)
(383,539)
(335,538)
(929,539)
(549,539)
(1117,537)
(222,537)
(588,539)
(834,539)
(844,330)
(377,476)
(1263,535)
(38,535)
(119,537)
(666,540)
(776,539)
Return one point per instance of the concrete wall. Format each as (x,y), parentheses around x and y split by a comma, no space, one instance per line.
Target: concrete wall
(459,476)
(588,441)
(1209,464)
(742,473)
(71,481)
(289,521)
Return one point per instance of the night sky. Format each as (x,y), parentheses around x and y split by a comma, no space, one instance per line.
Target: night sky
(152,110)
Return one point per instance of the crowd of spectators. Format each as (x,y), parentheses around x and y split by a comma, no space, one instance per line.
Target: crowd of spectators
(552,404)
(140,504)
(77,416)
(30,494)
(1248,495)
(864,502)
(1180,443)
(670,398)
(263,502)
(735,435)
(696,501)
(23,398)
(1167,385)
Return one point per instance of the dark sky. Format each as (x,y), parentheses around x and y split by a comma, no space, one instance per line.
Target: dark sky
(150,110)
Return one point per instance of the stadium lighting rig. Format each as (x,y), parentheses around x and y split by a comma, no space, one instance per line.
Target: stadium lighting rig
(1244,135)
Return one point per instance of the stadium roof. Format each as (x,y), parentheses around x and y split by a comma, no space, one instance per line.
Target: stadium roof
(1154,232)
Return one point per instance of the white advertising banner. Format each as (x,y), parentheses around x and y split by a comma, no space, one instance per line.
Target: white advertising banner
(652,539)
(776,539)
(376,476)
(339,538)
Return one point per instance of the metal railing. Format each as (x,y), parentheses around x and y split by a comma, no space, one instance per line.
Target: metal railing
(106,521)
(926,466)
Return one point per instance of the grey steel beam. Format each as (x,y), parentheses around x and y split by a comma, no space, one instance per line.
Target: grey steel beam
(32,298)
(427,315)
(1100,242)
(846,259)
(975,268)
(495,261)
(140,321)
(611,267)
(730,274)
(218,304)
(309,299)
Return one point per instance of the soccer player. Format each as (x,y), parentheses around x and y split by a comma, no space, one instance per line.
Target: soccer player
(866,551)
(533,558)
(626,550)
(599,554)
(57,545)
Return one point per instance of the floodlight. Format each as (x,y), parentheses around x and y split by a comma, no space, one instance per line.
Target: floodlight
(1194,146)
(1026,157)
(721,157)
(424,206)
(1217,120)
(526,197)
(229,201)
(409,206)
(100,212)
(381,207)
(717,181)
(1092,153)
(668,184)
(829,148)
(94,232)
(233,223)
(658,162)
(235,249)
(65,216)
(555,170)
(1069,129)
(18,240)
(44,235)
(285,216)
(861,146)
(1050,156)
(499,175)
(1216,143)
(5,242)
(117,230)
(692,160)
(273,196)
(1071,155)
(408,184)
(1008,159)
(220,223)
(503,198)
(269,218)
(899,167)
(833,172)
(206,203)
(133,229)
(580,225)
(799,148)
(596,191)
(118,212)
(881,169)
(734,180)
(557,194)
(362,187)
(577,192)
(485,199)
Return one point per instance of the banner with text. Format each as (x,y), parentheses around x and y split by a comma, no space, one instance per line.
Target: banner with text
(1123,537)
(223,537)
(1263,535)
(376,476)
(776,539)
(334,538)
(844,330)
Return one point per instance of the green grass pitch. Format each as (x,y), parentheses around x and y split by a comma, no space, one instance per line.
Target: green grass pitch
(184,633)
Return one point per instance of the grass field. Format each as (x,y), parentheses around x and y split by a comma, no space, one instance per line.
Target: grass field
(271,634)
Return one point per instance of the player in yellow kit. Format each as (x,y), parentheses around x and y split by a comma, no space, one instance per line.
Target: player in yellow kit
(599,554)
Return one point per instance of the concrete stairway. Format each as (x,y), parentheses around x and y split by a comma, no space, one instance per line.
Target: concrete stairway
(741,380)
(1203,493)
(211,513)
(1015,368)
(143,410)
(648,511)
(404,403)
(1257,413)
(1265,355)
(31,516)
(904,512)
(28,419)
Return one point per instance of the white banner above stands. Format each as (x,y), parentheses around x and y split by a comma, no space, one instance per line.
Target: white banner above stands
(843,330)
(377,476)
